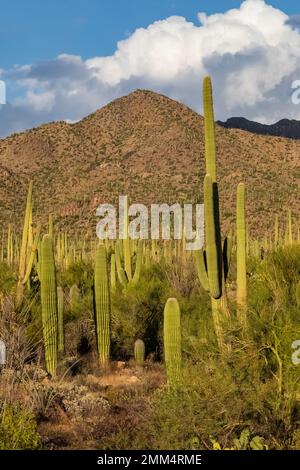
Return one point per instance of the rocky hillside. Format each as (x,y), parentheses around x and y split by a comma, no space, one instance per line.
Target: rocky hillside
(151,148)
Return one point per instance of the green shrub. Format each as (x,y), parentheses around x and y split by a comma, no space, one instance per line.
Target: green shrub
(18,429)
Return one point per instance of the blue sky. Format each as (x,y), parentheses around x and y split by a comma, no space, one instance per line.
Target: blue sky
(35,30)
(63,59)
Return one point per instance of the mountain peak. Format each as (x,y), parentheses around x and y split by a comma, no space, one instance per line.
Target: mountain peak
(149,147)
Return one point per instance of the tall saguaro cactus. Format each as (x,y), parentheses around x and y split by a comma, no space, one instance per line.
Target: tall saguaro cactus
(49,304)
(172,341)
(241,275)
(102,305)
(213,262)
(24,245)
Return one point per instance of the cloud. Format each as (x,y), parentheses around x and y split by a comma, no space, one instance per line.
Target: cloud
(294,21)
(251,52)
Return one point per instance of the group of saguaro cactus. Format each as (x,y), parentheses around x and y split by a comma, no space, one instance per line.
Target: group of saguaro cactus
(120,263)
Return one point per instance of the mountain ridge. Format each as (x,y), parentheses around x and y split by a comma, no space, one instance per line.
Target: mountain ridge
(289,128)
(151,148)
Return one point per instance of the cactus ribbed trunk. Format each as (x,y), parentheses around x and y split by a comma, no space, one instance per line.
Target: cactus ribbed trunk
(172,341)
(102,306)
(139,352)
(209,129)
(212,240)
(241,275)
(60,319)
(49,304)
(24,245)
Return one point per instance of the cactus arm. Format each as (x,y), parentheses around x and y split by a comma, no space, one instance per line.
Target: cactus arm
(32,254)
(120,271)
(138,265)
(199,257)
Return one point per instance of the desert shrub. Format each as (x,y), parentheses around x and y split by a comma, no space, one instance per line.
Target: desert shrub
(137,313)
(18,429)
(79,273)
(7,279)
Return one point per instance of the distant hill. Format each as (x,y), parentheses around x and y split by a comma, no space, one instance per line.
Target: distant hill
(284,128)
(151,148)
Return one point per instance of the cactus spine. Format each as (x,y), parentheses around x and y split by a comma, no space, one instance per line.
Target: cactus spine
(139,352)
(241,278)
(172,341)
(102,305)
(49,304)
(32,255)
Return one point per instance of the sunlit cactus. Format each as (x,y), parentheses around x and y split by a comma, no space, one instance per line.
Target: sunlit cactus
(60,319)
(172,341)
(241,275)
(24,246)
(139,352)
(49,304)
(102,305)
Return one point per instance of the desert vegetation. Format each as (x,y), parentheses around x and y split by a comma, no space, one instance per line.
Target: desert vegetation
(133,344)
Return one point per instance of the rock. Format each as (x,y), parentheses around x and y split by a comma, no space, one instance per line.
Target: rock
(121,364)
(133,379)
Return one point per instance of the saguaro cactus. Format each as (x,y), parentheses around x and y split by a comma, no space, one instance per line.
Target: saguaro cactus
(49,304)
(124,252)
(32,254)
(213,262)
(172,341)
(209,129)
(139,352)
(24,244)
(241,275)
(74,297)
(102,305)
(60,319)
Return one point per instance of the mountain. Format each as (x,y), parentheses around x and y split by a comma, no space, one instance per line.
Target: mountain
(289,128)
(151,148)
